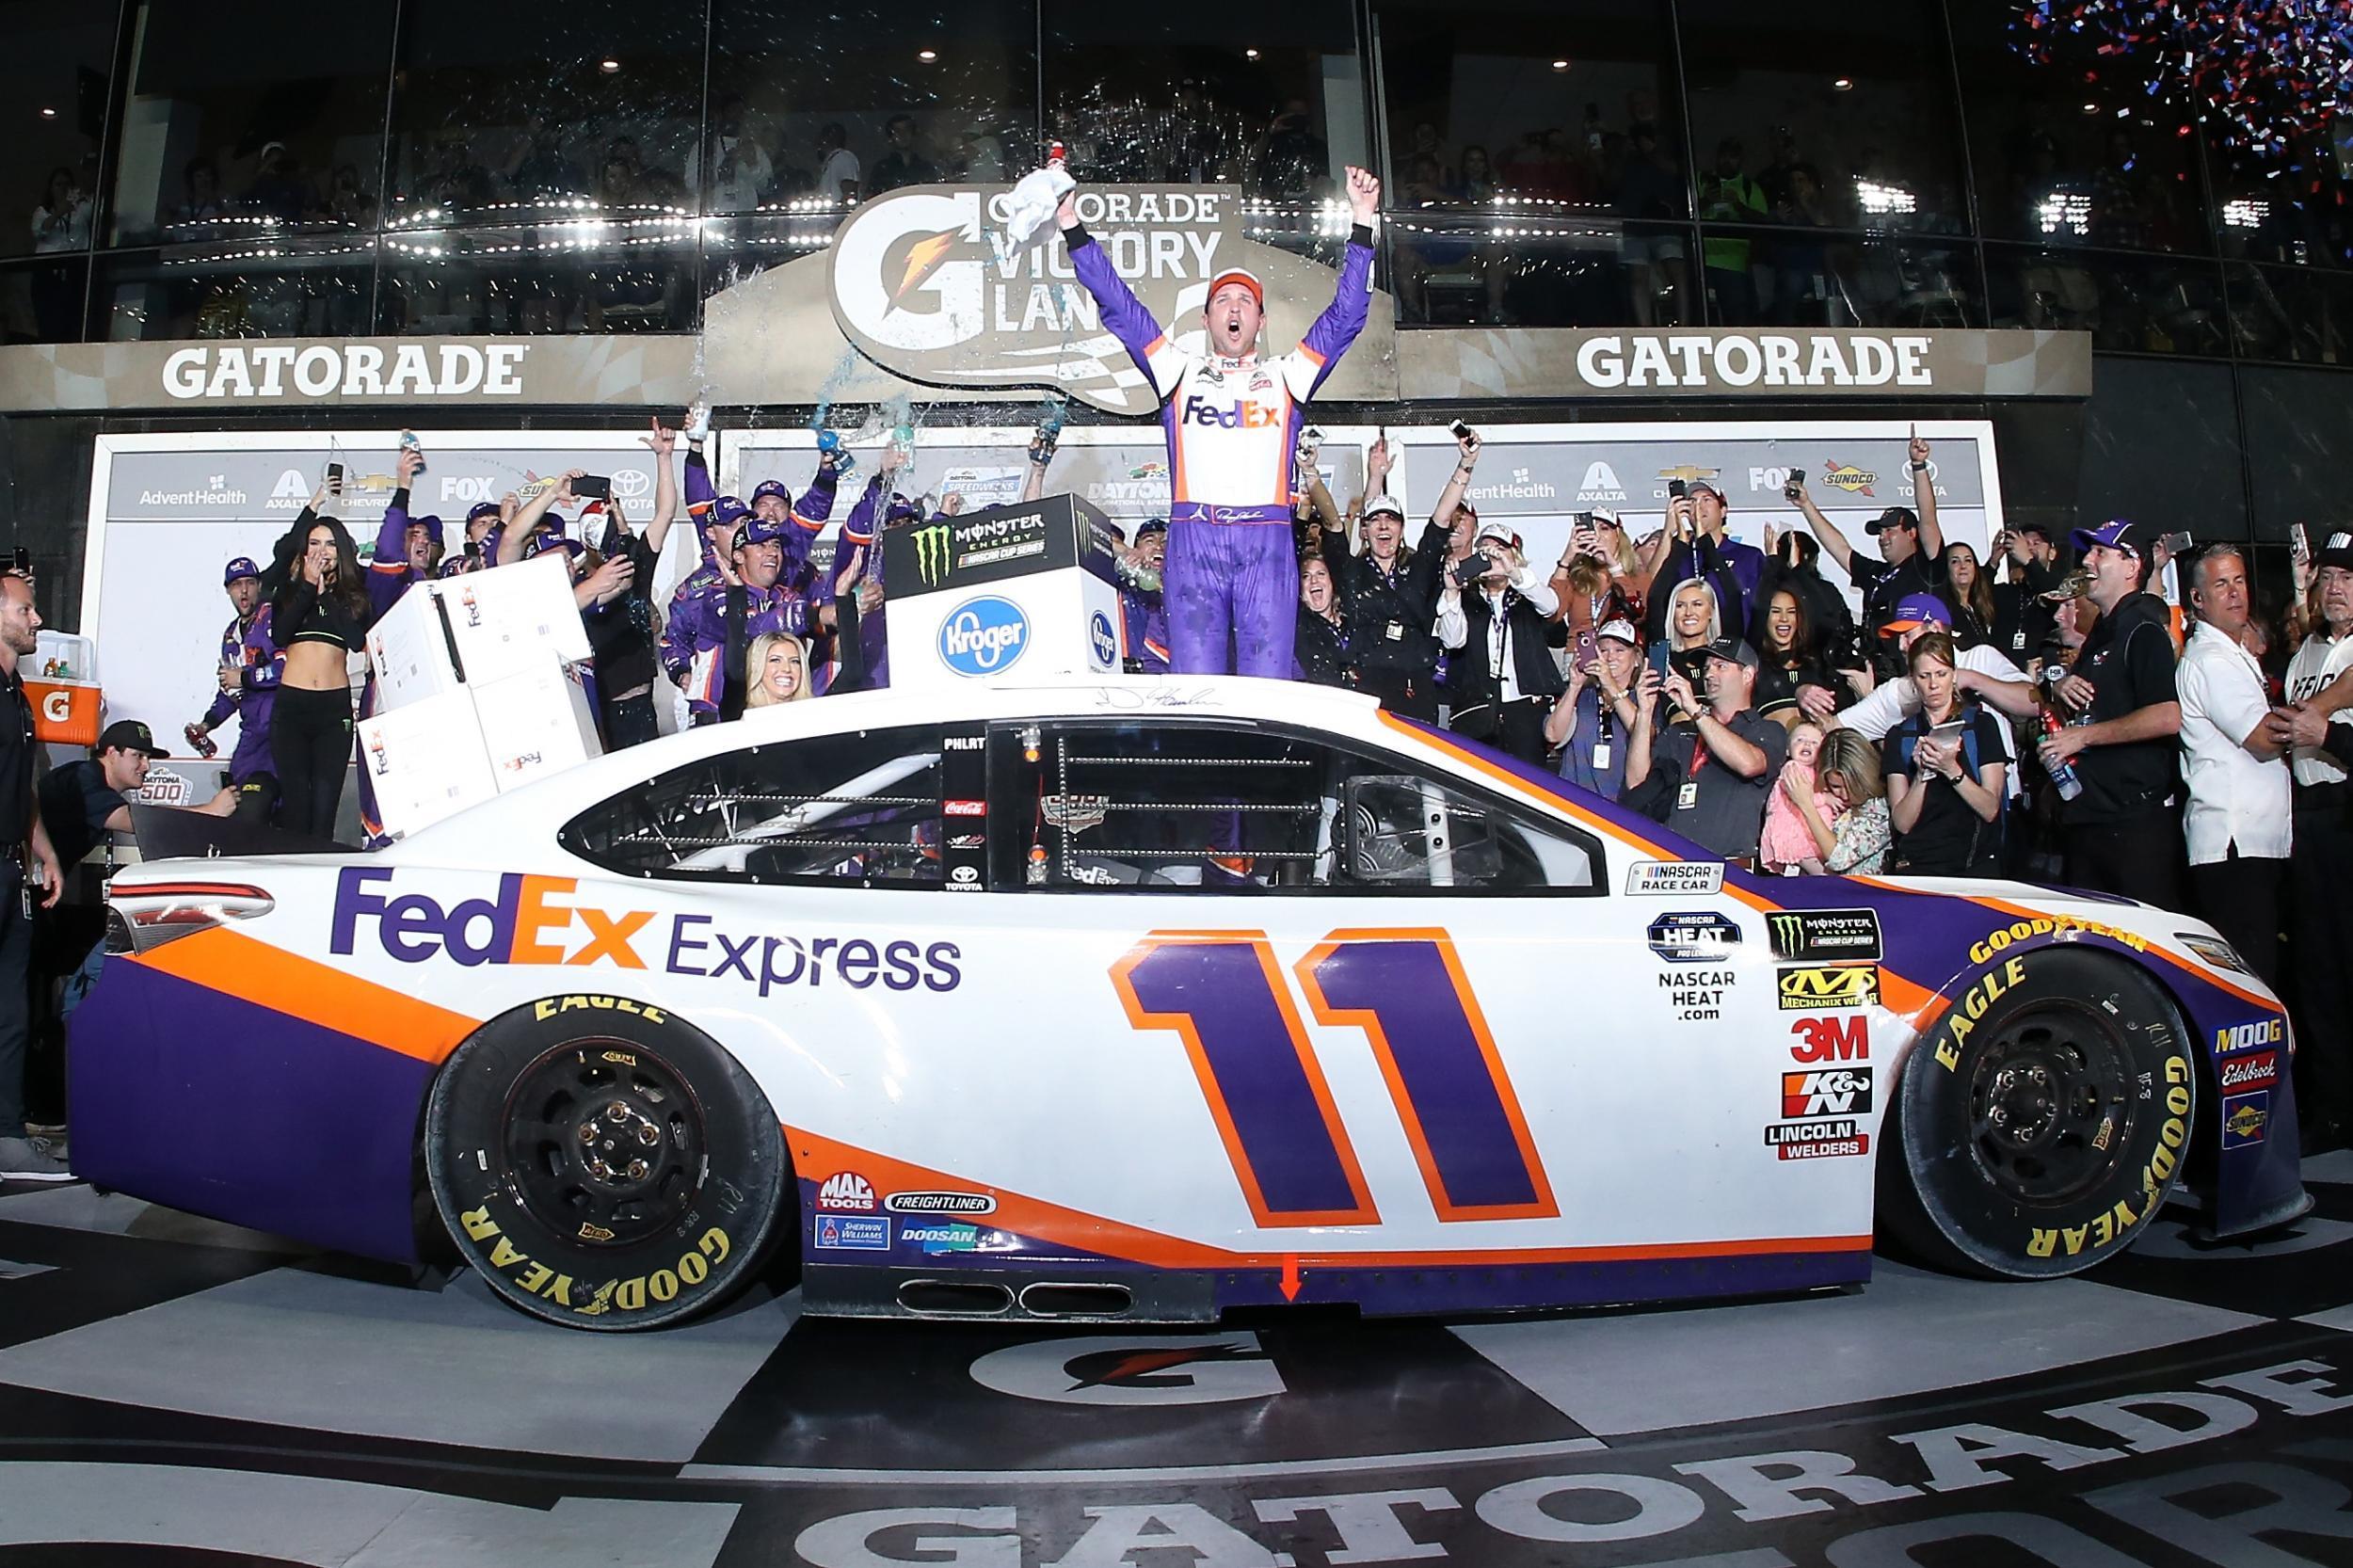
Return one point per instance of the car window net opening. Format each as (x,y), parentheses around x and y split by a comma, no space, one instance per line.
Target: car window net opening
(1218,810)
(859,808)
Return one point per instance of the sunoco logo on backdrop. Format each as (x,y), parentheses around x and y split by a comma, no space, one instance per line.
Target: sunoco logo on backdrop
(984,636)
(922,282)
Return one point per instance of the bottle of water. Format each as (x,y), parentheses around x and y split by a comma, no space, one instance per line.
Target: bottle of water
(844,460)
(409,443)
(2070,786)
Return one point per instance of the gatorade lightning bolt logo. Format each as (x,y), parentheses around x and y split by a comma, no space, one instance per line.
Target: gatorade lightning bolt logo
(933,552)
(924,259)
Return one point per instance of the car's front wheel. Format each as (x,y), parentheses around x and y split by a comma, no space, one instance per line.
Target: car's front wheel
(2041,1122)
(603,1164)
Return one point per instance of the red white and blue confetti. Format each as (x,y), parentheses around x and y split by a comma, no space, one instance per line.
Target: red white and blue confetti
(2270,74)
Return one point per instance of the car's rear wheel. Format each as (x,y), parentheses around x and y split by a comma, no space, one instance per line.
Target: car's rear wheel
(2039,1124)
(604,1165)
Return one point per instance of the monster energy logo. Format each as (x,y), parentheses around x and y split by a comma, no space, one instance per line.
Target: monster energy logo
(935,553)
(1851,933)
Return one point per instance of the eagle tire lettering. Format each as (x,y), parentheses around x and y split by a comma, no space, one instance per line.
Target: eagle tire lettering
(606,1167)
(2042,1122)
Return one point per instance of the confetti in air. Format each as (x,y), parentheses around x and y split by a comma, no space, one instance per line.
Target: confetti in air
(2270,74)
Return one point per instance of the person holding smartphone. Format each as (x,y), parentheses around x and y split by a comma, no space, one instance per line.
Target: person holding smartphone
(1946,781)
(1696,544)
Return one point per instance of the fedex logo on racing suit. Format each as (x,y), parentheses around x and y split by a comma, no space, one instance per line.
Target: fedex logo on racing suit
(1236,416)
(528,921)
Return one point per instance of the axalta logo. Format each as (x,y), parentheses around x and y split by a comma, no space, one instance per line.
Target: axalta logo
(935,553)
(984,636)
(1846,476)
(1237,415)
(847,1192)
(1600,483)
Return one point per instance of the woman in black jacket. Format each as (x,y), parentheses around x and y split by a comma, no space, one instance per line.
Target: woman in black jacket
(1791,676)
(320,616)
(1320,647)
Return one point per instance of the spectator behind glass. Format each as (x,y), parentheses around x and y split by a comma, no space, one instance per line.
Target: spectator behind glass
(1705,765)
(904,163)
(201,207)
(1856,841)
(61,222)
(1593,720)
(1320,647)
(837,170)
(1946,788)
(779,662)
(2121,835)
(1970,594)
(1785,843)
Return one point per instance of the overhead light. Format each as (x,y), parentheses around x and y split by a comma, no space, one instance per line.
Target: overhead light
(2092,108)
(927,56)
(1250,54)
(49,114)
(1560,65)
(1843,84)
(608,67)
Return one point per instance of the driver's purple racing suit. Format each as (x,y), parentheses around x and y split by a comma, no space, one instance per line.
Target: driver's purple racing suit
(1233,430)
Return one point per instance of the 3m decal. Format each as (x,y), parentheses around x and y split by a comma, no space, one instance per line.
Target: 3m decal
(1829,1039)
(1827,988)
(1699,936)
(2262,1031)
(1223,994)
(1824,934)
(846,1192)
(1830,1092)
(2250,1072)
(1673,878)
(2246,1118)
(1960,1019)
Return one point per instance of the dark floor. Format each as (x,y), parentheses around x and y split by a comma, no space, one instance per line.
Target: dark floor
(173,1392)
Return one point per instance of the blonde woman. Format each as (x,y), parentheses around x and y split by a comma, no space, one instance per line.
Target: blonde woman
(1848,769)
(1693,620)
(777,665)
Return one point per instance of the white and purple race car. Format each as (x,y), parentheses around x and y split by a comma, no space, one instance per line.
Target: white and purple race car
(1144,1001)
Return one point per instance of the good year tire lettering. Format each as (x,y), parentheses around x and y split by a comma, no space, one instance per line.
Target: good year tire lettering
(615,1295)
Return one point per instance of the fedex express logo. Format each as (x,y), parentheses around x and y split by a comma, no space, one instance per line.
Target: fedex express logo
(1235,416)
(532,920)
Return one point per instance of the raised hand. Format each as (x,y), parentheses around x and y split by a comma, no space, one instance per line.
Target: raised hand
(1363,194)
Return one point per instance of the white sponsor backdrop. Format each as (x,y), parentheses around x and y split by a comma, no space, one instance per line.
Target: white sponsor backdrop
(166,511)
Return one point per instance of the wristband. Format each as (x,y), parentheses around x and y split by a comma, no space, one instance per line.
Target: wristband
(1919,468)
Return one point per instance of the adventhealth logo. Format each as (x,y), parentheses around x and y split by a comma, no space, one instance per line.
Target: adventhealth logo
(984,636)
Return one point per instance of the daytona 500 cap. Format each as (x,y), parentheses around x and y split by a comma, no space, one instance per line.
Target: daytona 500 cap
(1914,611)
(239,565)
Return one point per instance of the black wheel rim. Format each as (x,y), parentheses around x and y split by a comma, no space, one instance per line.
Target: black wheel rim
(2050,1113)
(605,1142)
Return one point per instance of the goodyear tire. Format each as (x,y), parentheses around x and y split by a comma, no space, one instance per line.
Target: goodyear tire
(2039,1124)
(603,1164)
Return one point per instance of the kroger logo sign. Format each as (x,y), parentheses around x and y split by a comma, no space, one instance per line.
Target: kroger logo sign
(984,636)
(1099,639)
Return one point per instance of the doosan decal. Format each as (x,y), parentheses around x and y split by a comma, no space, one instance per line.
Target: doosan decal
(243,373)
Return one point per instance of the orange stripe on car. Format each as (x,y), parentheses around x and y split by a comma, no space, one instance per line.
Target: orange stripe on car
(238,966)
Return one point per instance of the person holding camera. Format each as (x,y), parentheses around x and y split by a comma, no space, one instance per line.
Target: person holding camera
(1695,544)
(1592,721)
(1911,544)
(1389,594)
(1706,764)
(2026,569)
(1945,768)
(1501,686)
